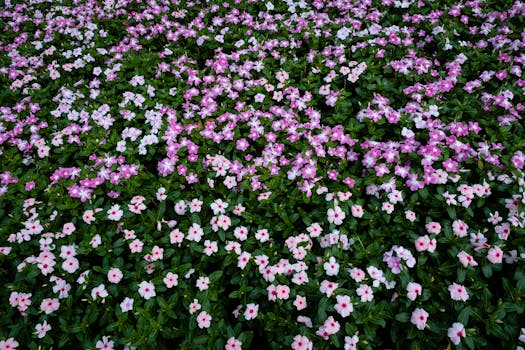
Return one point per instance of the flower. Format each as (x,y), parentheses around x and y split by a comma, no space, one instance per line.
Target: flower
(301,342)
(42,329)
(251,311)
(127,304)
(146,290)
(351,342)
(456,332)
(458,292)
(49,305)
(300,302)
(495,255)
(413,290)
(331,267)
(8,344)
(336,215)
(114,275)
(105,344)
(365,292)
(203,320)
(344,306)
(419,318)
(171,280)
(203,283)
(233,344)
(99,291)
(114,213)
(328,287)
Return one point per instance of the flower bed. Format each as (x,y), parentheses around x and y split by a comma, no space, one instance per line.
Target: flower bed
(218,175)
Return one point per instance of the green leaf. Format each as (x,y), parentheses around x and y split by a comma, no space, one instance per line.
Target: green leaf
(487,270)
(403,317)
(215,276)
(464,315)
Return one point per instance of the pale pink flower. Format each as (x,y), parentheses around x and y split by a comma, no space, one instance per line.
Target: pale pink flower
(272,292)
(262,235)
(68,228)
(180,207)
(328,287)
(357,211)
(419,318)
(301,342)
(422,243)
(96,241)
(42,329)
(204,320)
(413,290)
(136,246)
(105,344)
(243,259)
(251,311)
(127,304)
(114,213)
(410,215)
(157,253)
(195,233)
(146,290)
(456,332)
(300,303)
(466,259)
(357,274)
(459,228)
(307,321)
(458,292)
(495,255)
(365,292)
(210,247)
(194,306)
(336,215)
(171,280)
(115,275)
(50,305)
(314,230)
(70,265)
(241,233)
(8,344)
(203,283)
(233,344)
(351,342)
(331,267)
(283,292)
(344,305)
(99,291)
(176,236)
(433,227)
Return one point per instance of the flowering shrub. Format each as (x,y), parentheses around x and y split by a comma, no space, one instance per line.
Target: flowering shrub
(235,174)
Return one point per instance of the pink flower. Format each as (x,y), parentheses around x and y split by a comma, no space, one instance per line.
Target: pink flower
(115,275)
(357,211)
(365,292)
(410,215)
(203,320)
(495,255)
(466,259)
(251,311)
(336,215)
(8,344)
(195,233)
(459,228)
(233,344)
(202,283)
(283,292)
(328,287)
(105,344)
(127,304)
(456,332)
(146,290)
(136,246)
(99,291)
(458,292)
(419,318)
(114,213)
(42,329)
(70,265)
(433,227)
(171,280)
(49,305)
(422,243)
(300,302)
(194,306)
(301,342)
(351,342)
(344,306)
(357,274)
(243,260)
(413,290)
(331,267)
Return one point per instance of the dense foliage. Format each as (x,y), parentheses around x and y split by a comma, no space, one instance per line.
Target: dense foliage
(227,174)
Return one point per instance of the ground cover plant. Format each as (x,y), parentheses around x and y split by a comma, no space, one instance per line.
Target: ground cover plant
(258,174)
